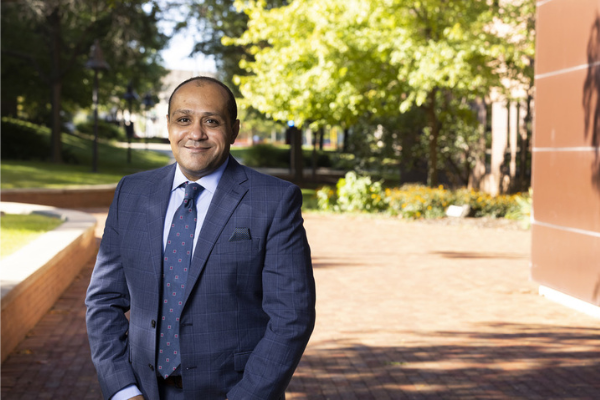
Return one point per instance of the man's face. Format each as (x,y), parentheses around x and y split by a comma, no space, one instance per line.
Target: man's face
(200,131)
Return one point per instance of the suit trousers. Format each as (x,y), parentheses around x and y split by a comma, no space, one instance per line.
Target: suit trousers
(167,392)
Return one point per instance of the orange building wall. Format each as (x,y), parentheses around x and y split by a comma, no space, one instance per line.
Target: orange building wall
(566,149)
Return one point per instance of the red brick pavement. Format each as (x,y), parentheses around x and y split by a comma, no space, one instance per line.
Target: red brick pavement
(404,311)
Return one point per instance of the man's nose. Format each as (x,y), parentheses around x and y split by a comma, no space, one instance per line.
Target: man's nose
(198,132)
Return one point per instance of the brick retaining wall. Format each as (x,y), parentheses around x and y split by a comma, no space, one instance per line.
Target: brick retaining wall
(81,197)
(26,297)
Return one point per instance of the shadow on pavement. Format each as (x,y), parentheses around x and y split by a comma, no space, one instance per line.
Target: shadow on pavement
(472,254)
(518,362)
(334,262)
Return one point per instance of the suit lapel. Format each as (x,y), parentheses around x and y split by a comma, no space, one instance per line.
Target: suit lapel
(225,200)
(159,196)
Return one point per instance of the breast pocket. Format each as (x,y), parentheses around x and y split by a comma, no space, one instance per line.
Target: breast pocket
(239,248)
(238,258)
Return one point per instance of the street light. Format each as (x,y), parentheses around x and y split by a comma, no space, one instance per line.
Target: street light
(148,102)
(97,63)
(130,95)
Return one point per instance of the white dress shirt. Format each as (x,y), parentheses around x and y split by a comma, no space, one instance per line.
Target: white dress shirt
(209,183)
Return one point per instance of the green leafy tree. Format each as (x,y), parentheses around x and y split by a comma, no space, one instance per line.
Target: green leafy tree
(318,55)
(211,20)
(341,60)
(45,45)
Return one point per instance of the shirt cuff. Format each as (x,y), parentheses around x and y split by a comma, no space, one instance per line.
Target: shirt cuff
(127,393)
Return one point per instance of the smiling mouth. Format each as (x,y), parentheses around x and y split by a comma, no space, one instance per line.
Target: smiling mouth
(197,148)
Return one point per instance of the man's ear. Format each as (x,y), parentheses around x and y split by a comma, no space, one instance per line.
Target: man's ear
(235,131)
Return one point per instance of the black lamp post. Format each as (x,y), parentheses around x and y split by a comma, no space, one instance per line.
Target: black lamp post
(148,102)
(97,63)
(130,95)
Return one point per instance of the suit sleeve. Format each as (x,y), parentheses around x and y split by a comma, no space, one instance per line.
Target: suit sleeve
(107,301)
(288,300)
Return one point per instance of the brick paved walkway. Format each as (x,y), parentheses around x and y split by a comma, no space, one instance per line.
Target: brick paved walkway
(405,311)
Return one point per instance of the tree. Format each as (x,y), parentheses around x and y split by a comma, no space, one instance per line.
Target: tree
(337,61)
(516,24)
(311,60)
(213,20)
(46,44)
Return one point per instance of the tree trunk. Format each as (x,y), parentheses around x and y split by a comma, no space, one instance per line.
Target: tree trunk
(56,125)
(524,170)
(468,169)
(321,138)
(346,135)
(56,85)
(477,174)
(297,159)
(432,172)
(314,155)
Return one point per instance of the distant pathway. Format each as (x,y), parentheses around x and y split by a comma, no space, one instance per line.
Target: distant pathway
(404,311)
(162,148)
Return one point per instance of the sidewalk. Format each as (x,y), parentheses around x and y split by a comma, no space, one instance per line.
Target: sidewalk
(404,311)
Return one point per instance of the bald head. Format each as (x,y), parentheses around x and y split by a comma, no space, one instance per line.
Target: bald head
(204,80)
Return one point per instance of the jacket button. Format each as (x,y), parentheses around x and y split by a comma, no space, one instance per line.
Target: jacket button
(153,323)
(151,367)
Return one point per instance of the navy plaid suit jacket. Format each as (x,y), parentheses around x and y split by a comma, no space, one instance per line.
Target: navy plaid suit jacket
(249,304)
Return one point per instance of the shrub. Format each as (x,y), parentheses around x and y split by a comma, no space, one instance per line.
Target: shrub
(416,201)
(266,155)
(353,194)
(326,198)
(323,159)
(342,161)
(269,156)
(484,205)
(106,130)
(411,201)
(22,140)
(309,199)
(522,212)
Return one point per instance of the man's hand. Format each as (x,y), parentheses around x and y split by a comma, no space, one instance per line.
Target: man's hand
(138,397)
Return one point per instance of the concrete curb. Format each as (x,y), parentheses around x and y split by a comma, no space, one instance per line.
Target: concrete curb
(35,276)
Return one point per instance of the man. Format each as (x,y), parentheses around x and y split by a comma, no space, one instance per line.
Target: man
(211,260)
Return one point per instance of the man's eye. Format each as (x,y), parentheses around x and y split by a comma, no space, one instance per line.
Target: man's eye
(183,119)
(212,121)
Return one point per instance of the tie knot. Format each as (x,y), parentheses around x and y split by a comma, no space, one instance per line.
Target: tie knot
(192,189)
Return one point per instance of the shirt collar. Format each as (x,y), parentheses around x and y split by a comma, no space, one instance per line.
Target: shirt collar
(208,182)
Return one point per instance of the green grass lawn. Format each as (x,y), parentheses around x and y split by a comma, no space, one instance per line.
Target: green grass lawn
(18,230)
(112,166)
